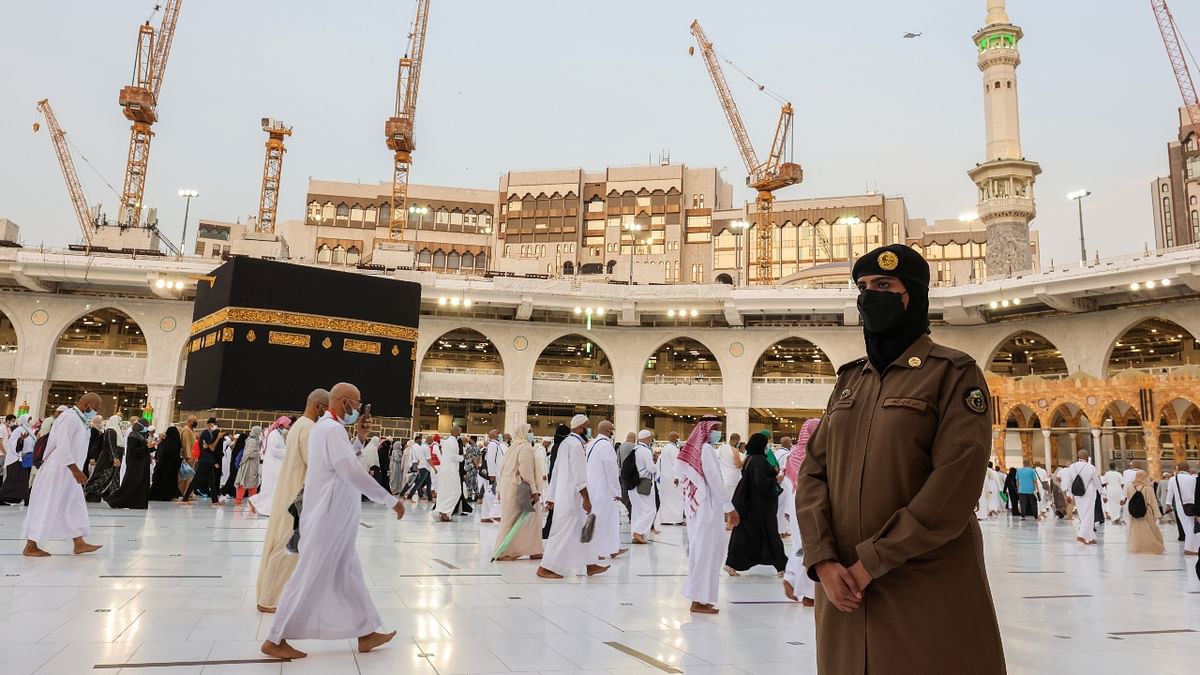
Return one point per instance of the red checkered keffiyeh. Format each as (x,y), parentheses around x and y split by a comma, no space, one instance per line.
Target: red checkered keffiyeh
(691,465)
(800,450)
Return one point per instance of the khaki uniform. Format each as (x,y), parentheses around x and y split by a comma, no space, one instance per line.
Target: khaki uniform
(892,479)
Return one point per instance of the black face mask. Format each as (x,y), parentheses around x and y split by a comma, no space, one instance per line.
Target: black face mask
(881,311)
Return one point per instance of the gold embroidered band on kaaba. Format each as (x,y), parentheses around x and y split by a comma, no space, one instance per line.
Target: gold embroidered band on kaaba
(279,318)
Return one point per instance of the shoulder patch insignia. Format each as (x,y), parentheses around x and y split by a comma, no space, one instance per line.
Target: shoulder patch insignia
(976,401)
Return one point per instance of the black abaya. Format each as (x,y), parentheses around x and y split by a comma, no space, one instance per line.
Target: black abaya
(95,442)
(164,486)
(755,540)
(134,492)
(104,480)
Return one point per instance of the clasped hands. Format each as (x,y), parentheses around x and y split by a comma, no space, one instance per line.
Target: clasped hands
(844,586)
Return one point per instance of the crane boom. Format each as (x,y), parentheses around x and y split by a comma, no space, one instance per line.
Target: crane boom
(1183,74)
(399,128)
(732,115)
(268,200)
(59,138)
(139,104)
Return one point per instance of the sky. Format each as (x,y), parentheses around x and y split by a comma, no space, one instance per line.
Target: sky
(539,84)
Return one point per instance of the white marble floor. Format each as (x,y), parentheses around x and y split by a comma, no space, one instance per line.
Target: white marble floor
(175,585)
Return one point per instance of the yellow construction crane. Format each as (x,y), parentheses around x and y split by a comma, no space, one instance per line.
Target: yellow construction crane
(268,200)
(399,127)
(78,201)
(139,102)
(765,177)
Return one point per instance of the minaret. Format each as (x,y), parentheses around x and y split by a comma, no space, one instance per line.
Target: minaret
(1005,178)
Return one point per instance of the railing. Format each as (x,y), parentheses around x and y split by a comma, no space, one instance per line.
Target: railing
(8,349)
(119,353)
(682,379)
(462,371)
(801,379)
(571,377)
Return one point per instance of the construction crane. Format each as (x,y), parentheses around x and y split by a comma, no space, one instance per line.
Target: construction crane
(1175,53)
(765,177)
(139,103)
(399,127)
(78,201)
(268,200)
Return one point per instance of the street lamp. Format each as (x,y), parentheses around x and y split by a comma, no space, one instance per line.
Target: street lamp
(739,228)
(850,222)
(1078,196)
(419,212)
(186,194)
(632,229)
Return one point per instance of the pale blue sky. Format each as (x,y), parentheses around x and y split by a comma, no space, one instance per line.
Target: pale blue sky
(526,84)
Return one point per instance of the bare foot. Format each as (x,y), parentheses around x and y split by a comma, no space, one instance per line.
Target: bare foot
(808,602)
(638,539)
(547,574)
(1190,553)
(33,551)
(730,571)
(282,650)
(266,610)
(701,608)
(372,640)
(536,556)
(655,530)
(593,570)
(619,553)
(82,547)
(1081,540)
(789,591)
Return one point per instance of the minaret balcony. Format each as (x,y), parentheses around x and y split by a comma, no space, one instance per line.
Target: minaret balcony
(999,56)
(1007,208)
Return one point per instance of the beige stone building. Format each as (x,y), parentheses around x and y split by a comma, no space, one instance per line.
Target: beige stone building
(1176,197)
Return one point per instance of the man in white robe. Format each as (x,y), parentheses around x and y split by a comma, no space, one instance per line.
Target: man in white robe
(796,583)
(642,506)
(1045,495)
(604,485)
(493,456)
(670,506)
(327,596)
(1181,493)
(449,481)
(708,510)
(57,509)
(568,498)
(1085,504)
(784,519)
(274,451)
(1114,494)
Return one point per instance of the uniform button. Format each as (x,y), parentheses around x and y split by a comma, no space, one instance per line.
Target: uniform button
(914,362)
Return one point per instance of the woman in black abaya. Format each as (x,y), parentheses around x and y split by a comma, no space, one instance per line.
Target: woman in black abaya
(106,478)
(755,540)
(164,486)
(134,492)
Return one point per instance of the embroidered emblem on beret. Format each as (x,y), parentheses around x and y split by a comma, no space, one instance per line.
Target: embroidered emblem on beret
(888,261)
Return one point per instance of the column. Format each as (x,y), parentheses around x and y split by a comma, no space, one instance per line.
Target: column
(33,392)
(626,419)
(1096,449)
(999,451)
(1153,451)
(1046,449)
(737,421)
(1179,446)
(162,399)
(516,412)
(1026,445)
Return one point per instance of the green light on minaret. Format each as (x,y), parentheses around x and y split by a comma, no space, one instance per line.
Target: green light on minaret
(995,40)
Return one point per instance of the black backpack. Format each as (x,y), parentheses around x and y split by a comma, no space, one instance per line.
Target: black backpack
(1137,505)
(39,450)
(630,477)
(1077,487)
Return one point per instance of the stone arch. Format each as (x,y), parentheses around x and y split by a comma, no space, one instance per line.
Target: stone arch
(450,342)
(1121,428)
(94,329)
(1024,353)
(809,360)
(573,346)
(704,354)
(1151,342)
(724,278)
(1070,430)
(10,328)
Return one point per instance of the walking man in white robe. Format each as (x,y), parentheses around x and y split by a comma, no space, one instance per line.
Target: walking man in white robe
(327,596)
(449,481)
(568,498)
(57,509)
(1114,494)
(604,484)
(782,515)
(1085,504)
(708,510)
(1181,493)
(670,507)
(642,505)
(796,583)
(493,456)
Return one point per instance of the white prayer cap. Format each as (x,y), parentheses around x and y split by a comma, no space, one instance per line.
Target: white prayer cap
(579,421)
(644,434)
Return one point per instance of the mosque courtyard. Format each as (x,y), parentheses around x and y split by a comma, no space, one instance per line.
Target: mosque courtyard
(172,591)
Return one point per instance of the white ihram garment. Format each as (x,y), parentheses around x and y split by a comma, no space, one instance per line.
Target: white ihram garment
(707,542)
(276,450)
(781,510)
(670,499)
(1114,489)
(1181,489)
(494,456)
(1085,506)
(57,509)
(449,482)
(796,573)
(642,506)
(564,552)
(603,484)
(327,596)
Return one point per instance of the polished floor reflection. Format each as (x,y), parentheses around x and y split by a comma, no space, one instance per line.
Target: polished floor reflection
(172,592)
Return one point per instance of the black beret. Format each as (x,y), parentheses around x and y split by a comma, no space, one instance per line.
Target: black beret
(894,260)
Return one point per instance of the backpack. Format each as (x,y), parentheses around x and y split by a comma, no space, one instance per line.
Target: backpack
(1077,487)
(1137,505)
(39,450)
(630,476)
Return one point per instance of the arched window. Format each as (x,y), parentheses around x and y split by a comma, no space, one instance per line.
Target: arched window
(343,212)
(352,256)
(339,255)
(1195,221)
(612,266)
(323,254)
(439,259)
(568,268)
(424,257)
(453,260)
(468,260)
(481,261)
(385,213)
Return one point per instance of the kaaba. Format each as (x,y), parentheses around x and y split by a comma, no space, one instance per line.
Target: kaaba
(265,334)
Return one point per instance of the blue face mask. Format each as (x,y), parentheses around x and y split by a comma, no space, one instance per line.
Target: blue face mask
(88,416)
(350,417)
(530,436)
(714,437)
(587,434)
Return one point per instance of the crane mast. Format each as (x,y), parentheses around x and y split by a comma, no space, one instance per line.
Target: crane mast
(268,200)
(399,128)
(139,104)
(1183,74)
(765,177)
(59,138)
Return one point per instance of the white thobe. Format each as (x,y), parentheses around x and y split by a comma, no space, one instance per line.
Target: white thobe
(604,489)
(541,460)
(276,450)
(796,573)
(781,509)
(449,482)
(1045,499)
(707,542)
(642,506)
(327,596)
(1181,489)
(494,456)
(1085,506)
(57,509)
(1114,490)
(729,472)
(997,504)
(670,499)
(564,552)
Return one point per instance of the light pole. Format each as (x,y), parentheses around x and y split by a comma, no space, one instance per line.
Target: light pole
(186,194)
(632,229)
(1078,196)
(739,228)
(850,222)
(419,212)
